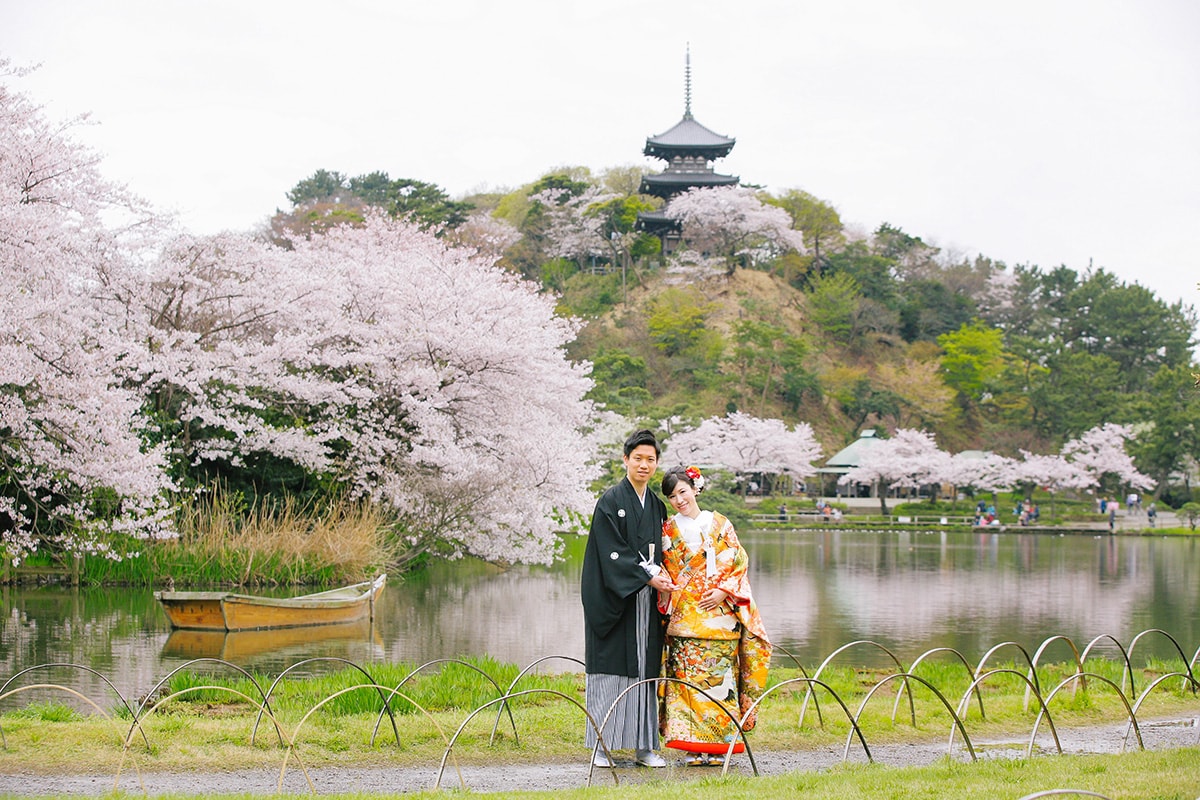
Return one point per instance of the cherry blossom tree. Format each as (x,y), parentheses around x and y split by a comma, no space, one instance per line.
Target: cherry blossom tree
(375,357)
(1100,452)
(745,444)
(574,229)
(415,373)
(75,464)
(909,459)
(488,235)
(731,222)
(979,472)
(1054,473)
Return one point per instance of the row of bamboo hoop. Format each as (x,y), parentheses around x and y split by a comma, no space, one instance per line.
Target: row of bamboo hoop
(1126,692)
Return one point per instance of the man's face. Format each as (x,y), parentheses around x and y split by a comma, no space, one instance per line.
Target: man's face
(640,465)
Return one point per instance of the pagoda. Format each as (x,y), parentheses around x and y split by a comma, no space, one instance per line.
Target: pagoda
(689,149)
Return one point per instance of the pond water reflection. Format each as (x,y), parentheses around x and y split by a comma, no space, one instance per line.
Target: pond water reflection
(817,590)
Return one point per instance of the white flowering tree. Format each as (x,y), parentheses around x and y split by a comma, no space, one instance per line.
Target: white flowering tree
(1052,472)
(415,373)
(745,444)
(1100,452)
(909,459)
(574,230)
(732,223)
(979,472)
(486,234)
(75,466)
(376,358)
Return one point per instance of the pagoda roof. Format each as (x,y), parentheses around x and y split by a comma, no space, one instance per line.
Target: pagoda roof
(656,222)
(688,135)
(672,182)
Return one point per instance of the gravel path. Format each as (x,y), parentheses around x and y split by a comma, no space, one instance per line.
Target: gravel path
(1156,734)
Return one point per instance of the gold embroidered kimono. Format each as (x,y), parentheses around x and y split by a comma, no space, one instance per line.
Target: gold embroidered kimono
(725,650)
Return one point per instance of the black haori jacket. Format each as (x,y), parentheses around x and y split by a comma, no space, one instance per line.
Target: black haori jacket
(620,537)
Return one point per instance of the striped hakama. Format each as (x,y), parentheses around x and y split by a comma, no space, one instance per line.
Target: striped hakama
(634,722)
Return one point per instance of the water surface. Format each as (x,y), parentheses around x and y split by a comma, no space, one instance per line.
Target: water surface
(817,590)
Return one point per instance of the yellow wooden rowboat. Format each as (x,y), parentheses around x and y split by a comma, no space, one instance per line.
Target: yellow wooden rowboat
(227,611)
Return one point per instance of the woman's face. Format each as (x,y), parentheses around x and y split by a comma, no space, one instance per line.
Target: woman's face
(683,499)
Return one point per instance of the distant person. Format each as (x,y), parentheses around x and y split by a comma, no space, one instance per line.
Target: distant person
(1112,516)
(623,629)
(1152,513)
(715,635)
(783,512)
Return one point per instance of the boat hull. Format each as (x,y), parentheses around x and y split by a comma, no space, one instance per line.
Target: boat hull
(227,611)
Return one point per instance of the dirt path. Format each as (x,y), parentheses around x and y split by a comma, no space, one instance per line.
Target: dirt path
(1157,734)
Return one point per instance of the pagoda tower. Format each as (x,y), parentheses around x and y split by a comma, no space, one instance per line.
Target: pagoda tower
(689,149)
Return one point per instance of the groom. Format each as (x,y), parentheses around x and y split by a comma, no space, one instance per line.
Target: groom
(623,630)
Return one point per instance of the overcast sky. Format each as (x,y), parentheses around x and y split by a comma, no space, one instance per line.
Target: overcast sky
(1037,132)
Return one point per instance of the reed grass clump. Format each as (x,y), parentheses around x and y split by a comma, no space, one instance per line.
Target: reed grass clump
(285,542)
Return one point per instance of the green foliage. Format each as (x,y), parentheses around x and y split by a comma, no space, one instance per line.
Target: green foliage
(556,272)
(770,362)
(573,185)
(861,400)
(676,322)
(424,203)
(442,686)
(833,306)
(973,360)
(589,296)
(1055,394)
(620,214)
(894,244)
(873,274)
(645,246)
(1128,324)
(321,185)
(1172,410)
(818,221)
(619,369)
(930,309)
(47,712)
(1191,512)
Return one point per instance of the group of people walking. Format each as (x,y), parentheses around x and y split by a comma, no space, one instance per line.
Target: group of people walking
(674,646)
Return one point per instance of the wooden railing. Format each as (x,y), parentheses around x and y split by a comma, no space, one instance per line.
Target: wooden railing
(814,517)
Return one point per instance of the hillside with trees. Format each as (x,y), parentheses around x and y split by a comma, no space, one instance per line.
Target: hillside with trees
(775,308)
(465,366)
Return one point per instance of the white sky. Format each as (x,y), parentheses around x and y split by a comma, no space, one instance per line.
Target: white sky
(1034,131)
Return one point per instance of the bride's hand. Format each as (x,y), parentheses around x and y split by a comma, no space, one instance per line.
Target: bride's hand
(713,598)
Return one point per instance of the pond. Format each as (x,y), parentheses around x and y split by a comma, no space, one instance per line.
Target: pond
(818,590)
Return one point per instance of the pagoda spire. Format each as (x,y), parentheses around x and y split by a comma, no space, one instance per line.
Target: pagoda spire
(689,149)
(687,82)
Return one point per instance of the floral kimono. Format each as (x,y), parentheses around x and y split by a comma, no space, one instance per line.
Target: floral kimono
(724,650)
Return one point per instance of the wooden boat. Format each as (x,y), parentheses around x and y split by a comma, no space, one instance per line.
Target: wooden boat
(227,611)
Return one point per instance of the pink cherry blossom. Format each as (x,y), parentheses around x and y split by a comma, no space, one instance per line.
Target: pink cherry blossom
(743,444)
(730,221)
